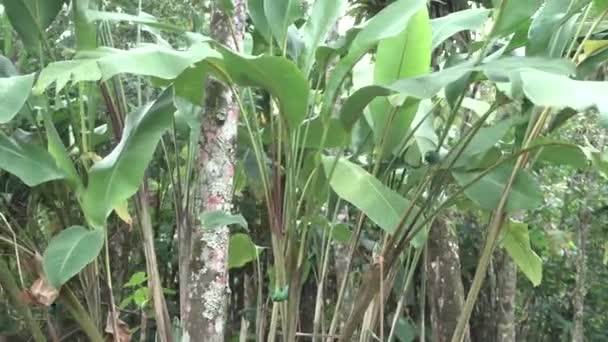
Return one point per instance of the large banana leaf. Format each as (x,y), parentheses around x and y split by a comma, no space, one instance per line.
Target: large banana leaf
(30,18)
(104,63)
(14,91)
(117,176)
(29,162)
(404,56)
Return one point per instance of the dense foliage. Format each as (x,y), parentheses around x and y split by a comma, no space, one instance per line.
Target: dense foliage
(398,170)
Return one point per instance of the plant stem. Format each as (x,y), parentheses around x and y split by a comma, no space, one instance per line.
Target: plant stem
(80,315)
(595,24)
(8,283)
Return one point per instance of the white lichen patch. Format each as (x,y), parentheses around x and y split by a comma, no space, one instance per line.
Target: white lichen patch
(214,299)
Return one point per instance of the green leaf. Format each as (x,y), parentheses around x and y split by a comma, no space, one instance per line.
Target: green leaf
(525,193)
(591,63)
(516,241)
(404,56)
(314,32)
(136,279)
(69,252)
(600,5)
(313,128)
(257,15)
(218,218)
(483,141)
(406,331)
(341,232)
(85,30)
(560,153)
(30,18)
(277,75)
(141,297)
(14,91)
(389,22)
(7,68)
(511,14)
(352,183)
(241,251)
(60,154)
(125,302)
(105,63)
(466,20)
(545,25)
(280,14)
(227,6)
(545,89)
(148,20)
(422,87)
(427,86)
(280,294)
(29,162)
(116,177)
(425,135)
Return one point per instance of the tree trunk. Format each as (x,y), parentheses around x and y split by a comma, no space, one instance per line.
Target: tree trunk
(494,316)
(578,300)
(444,282)
(506,289)
(205,309)
(483,323)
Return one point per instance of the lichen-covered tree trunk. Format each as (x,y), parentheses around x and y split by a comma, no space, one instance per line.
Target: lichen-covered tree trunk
(444,281)
(206,302)
(506,289)
(578,300)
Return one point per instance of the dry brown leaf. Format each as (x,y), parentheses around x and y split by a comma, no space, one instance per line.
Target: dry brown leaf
(42,292)
(124,334)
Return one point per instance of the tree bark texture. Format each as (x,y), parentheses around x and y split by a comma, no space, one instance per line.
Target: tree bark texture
(494,315)
(208,287)
(444,281)
(506,289)
(578,300)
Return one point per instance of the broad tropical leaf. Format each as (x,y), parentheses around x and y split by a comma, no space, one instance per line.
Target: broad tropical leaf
(389,22)
(59,153)
(591,63)
(511,14)
(483,141)
(404,56)
(29,162)
(427,86)
(241,251)
(516,241)
(380,203)
(277,75)
(14,91)
(30,18)
(257,15)
(545,25)
(148,20)
(70,251)
(280,14)
(560,153)
(545,89)
(104,63)
(7,68)
(85,30)
(117,176)
(466,20)
(213,219)
(486,192)
(421,87)
(324,15)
